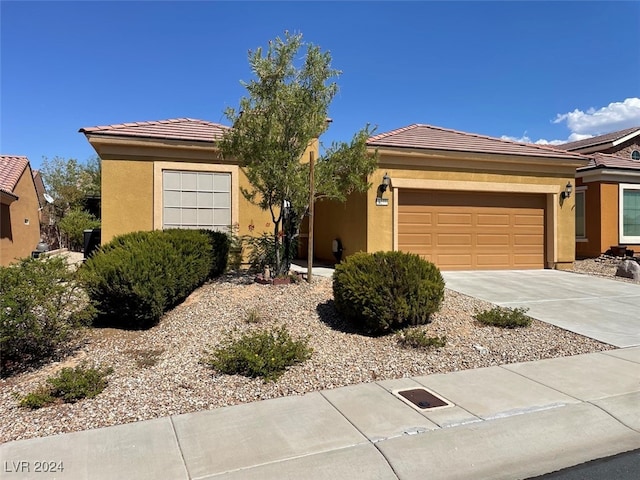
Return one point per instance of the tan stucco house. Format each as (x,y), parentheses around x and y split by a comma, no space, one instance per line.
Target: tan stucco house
(170,174)
(608,193)
(19,209)
(461,200)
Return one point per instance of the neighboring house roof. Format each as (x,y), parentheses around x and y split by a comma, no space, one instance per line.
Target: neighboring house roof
(602,142)
(40,188)
(185,129)
(11,169)
(605,160)
(437,138)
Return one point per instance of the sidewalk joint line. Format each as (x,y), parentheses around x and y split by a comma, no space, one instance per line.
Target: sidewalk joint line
(611,415)
(175,434)
(540,383)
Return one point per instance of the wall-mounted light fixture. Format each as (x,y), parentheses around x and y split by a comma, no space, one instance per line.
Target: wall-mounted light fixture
(386,182)
(567,191)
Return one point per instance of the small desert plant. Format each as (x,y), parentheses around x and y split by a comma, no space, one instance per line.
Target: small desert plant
(265,354)
(253,316)
(415,338)
(69,386)
(146,357)
(504,317)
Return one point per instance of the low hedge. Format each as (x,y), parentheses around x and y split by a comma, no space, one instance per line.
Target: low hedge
(138,276)
(385,291)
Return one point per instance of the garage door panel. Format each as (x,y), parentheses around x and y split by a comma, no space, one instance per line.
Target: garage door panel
(488,260)
(493,219)
(418,218)
(417,240)
(484,239)
(528,219)
(465,230)
(532,240)
(454,240)
(455,219)
(451,261)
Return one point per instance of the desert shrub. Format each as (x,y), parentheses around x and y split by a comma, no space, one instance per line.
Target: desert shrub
(265,354)
(136,277)
(415,338)
(220,245)
(42,308)
(504,317)
(69,386)
(385,291)
(262,252)
(73,225)
(146,357)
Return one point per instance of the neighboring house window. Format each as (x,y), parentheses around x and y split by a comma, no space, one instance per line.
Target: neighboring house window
(581,232)
(196,200)
(629,213)
(635,155)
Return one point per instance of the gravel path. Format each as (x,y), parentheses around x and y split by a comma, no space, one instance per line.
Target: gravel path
(178,383)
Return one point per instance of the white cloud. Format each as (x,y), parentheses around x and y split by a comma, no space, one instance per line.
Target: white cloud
(526,139)
(615,116)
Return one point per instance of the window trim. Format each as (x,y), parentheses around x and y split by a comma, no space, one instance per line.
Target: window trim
(636,153)
(625,239)
(582,191)
(160,167)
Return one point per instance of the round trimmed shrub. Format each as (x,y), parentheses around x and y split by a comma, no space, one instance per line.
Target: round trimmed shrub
(385,291)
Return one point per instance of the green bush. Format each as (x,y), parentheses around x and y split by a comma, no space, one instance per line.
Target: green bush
(70,385)
(504,317)
(42,307)
(414,338)
(136,277)
(385,291)
(73,225)
(265,354)
(220,244)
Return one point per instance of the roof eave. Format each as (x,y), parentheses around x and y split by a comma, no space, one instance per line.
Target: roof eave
(561,160)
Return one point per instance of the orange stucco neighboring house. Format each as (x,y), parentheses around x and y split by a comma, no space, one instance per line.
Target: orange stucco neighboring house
(608,194)
(19,209)
(460,200)
(171,174)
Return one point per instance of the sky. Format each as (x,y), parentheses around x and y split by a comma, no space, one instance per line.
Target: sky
(534,71)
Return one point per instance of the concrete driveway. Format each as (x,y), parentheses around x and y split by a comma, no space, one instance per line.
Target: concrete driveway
(599,308)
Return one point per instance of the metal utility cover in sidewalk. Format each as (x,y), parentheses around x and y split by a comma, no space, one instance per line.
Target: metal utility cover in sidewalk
(422,399)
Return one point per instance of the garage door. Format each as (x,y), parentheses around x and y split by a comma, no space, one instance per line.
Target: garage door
(472,230)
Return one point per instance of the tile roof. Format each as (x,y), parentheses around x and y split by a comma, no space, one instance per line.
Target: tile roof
(11,169)
(605,160)
(437,138)
(599,140)
(187,129)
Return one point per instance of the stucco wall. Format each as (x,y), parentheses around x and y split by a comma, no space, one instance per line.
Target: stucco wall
(18,239)
(127,197)
(346,221)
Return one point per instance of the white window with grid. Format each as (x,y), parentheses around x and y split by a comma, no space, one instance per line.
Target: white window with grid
(196,200)
(629,213)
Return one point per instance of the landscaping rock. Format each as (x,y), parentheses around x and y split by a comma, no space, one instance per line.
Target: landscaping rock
(629,269)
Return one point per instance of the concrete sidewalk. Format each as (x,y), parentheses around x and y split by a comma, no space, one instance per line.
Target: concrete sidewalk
(510,421)
(599,308)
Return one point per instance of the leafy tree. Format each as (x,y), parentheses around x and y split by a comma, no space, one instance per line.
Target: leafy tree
(73,225)
(69,182)
(285,110)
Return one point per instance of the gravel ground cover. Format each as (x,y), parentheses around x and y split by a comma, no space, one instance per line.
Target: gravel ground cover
(158,372)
